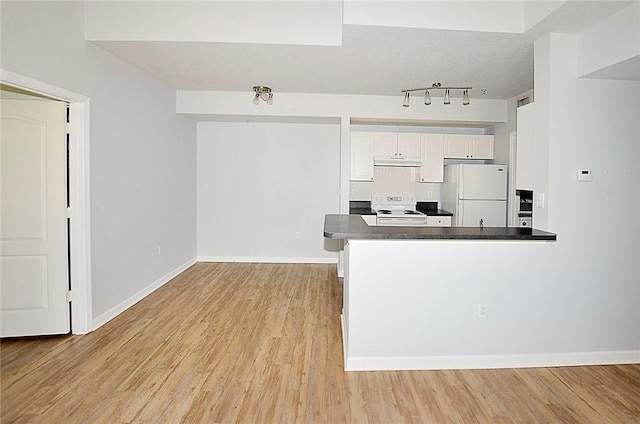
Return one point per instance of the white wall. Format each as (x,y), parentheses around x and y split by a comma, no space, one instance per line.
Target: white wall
(264,189)
(142,154)
(587,123)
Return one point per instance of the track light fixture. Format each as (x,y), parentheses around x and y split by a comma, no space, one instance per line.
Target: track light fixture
(437,86)
(264,93)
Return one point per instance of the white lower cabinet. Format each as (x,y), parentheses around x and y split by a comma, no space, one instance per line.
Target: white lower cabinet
(438,221)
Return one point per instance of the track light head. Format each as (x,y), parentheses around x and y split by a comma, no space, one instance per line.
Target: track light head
(447,97)
(405,103)
(465,97)
(427,98)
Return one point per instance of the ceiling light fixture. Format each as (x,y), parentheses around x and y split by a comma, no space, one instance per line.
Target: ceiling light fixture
(405,102)
(427,98)
(437,86)
(264,93)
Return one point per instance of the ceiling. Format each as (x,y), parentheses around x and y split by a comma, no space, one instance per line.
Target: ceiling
(372,60)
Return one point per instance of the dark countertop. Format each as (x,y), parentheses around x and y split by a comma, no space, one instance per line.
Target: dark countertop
(431,209)
(354,227)
(361,211)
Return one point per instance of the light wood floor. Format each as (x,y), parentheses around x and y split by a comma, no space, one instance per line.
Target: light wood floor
(260,343)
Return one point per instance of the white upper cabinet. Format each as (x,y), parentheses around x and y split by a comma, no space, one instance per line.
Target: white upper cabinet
(432,167)
(410,144)
(362,156)
(482,146)
(386,144)
(397,145)
(426,151)
(461,146)
(455,146)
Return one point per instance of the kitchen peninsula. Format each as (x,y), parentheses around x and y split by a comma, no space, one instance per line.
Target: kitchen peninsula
(435,297)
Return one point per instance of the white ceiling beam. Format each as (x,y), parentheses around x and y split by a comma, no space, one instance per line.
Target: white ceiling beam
(612,45)
(537,11)
(482,16)
(260,22)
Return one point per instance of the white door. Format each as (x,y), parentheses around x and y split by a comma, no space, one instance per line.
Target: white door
(33,227)
(492,213)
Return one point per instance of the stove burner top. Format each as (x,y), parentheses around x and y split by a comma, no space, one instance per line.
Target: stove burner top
(403,212)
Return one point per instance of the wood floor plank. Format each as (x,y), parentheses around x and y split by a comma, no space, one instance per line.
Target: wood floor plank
(261,343)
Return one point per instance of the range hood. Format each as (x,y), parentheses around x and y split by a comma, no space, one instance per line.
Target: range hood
(414,161)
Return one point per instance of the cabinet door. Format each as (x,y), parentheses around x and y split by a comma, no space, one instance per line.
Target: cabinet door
(361,156)
(480,146)
(386,144)
(432,167)
(455,146)
(438,221)
(409,144)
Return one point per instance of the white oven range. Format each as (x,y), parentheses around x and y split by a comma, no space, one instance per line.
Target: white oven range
(397,210)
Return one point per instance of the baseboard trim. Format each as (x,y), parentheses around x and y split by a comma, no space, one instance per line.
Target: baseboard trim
(137,297)
(492,361)
(268,259)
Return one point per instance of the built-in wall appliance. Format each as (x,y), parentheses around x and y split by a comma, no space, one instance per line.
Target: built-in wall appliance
(525,208)
(476,194)
(397,210)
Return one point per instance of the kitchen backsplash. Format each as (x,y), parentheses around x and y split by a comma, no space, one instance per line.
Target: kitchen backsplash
(398,180)
(394,179)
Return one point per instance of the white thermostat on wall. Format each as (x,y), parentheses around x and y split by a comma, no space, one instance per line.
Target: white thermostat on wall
(585,175)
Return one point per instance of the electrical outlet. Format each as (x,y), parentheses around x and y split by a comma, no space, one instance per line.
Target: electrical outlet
(159,250)
(429,195)
(297,234)
(482,310)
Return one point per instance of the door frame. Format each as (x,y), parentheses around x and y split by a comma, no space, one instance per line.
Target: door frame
(79,160)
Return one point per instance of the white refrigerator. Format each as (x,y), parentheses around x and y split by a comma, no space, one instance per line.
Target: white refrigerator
(476,194)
